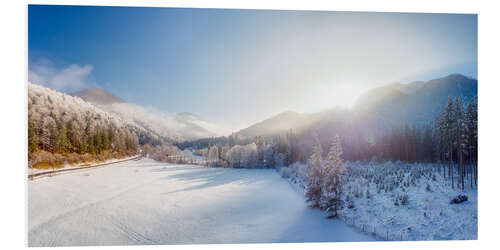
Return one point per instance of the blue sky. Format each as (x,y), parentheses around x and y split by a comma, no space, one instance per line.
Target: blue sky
(237,67)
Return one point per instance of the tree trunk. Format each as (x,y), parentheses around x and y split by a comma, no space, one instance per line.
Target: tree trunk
(475,170)
(469,166)
(452,169)
(444,165)
(462,170)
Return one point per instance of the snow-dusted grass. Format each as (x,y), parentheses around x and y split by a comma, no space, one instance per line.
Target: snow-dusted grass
(427,215)
(148,202)
(78,165)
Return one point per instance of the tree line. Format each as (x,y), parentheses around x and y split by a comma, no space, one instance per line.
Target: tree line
(456,147)
(54,135)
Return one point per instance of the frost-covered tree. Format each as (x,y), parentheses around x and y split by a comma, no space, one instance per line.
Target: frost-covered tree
(333,178)
(268,156)
(213,154)
(315,176)
(460,138)
(243,156)
(32,145)
(470,121)
(48,134)
(62,142)
(448,123)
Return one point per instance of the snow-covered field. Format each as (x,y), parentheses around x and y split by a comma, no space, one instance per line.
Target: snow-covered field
(427,215)
(147,202)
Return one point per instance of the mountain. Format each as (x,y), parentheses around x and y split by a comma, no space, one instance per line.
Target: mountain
(98,96)
(415,102)
(150,124)
(277,124)
(381,97)
(376,109)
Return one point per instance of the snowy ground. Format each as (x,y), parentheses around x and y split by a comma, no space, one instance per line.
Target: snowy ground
(147,202)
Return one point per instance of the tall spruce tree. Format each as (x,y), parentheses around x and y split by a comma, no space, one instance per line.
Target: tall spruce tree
(448,124)
(471,124)
(315,176)
(32,145)
(332,184)
(460,140)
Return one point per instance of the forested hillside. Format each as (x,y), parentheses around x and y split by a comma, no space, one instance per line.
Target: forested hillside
(65,129)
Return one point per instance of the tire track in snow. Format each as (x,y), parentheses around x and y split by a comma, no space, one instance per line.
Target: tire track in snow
(130,233)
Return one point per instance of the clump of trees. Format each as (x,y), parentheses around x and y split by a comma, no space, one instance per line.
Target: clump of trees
(326,178)
(271,152)
(65,129)
(455,137)
(165,153)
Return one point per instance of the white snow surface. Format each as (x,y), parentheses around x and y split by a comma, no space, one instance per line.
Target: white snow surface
(148,202)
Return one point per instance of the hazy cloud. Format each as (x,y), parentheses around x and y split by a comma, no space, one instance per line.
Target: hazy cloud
(67,79)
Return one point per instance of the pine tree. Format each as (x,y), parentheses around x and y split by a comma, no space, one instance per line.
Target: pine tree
(62,139)
(471,125)
(461,139)
(105,140)
(48,133)
(32,146)
(332,184)
(448,125)
(111,136)
(97,143)
(315,176)
(83,145)
(91,147)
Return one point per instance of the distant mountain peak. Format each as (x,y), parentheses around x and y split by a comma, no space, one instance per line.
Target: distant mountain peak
(98,96)
(456,75)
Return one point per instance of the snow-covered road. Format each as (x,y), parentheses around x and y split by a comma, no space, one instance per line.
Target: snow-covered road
(147,202)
